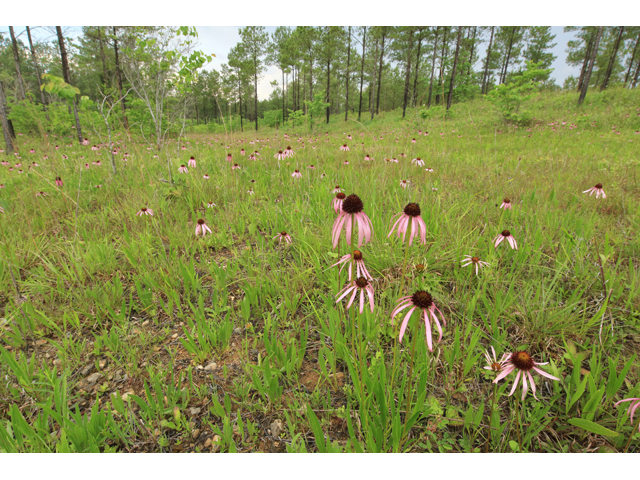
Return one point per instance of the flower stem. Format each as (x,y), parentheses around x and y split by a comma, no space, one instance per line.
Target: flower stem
(635,427)
(519,417)
(406,255)
(409,393)
(493,407)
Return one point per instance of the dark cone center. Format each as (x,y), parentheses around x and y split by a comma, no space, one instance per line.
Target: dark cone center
(144,209)
(598,185)
(422,299)
(352,204)
(357,255)
(284,234)
(506,200)
(475,259)
(413,210)
(506,233)
(192,158)
(362,282)
(200,222)
(522,360)
(420,267)
(341,196)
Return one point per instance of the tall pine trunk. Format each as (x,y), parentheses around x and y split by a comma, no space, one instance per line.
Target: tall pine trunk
(384,33)
(6,128)
(453,71)
(119,80)
(433,66)
(35,66)
(328,86)
(633,56)
(473,46)
(346,109)
(503,75)
(585,63)
(485,77)
(407,74)
(592,61)
(442,56)
(372,109)
(415,78)
(103,58)
(16,62)
(66,73)
(255,86)
(364,41)
(612,60)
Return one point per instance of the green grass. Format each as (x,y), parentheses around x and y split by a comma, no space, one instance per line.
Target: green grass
(111,329)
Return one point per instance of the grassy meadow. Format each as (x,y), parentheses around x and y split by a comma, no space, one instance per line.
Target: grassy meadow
(130,333)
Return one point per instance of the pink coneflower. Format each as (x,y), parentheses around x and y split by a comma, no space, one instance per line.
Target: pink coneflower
(32,151)
(523,362)
(192,162)
(635,403)
(352,287)
(59,182)
(242,151)
(413,140)
(349,137)
(597,190)
(211,204)
(46,157)
(283,236)
(350,212)
(344,148)
(205,176)
(411,213)
(235,166)
(84,142)
(429,169)
(296,174)
(34,164)
(183,169)
(41,194)
(506,204)
(2,185)
(351,259)
(280,155)
(86,166)
(367,158)
(229,157)
(346,162)
(1,210)
(394,160)
(404,155)
(336,203)
(473,261)
(98,163)
(505,235)
(404,183)
(145,211)
(289,152)
(94,148)
(418,162)
(250,192)
(337,189)
(98,186)
(183,148)
(252,157)
(423,301)
(494,364)
(312,167)
(201,228)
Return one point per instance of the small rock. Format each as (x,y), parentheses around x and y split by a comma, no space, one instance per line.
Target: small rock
(57,362)
(86,370)
(145,323)
(125,395)
(216,441)
(211,367)
(196,433)
(276,427)
(94,378)
(195,410)
(207,444)
(46,355)
(174,336)
(237,330)
(102,364)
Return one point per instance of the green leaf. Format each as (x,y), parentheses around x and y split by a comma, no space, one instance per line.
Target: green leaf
(592,427)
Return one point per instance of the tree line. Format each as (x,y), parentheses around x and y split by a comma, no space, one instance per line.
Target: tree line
(152,78)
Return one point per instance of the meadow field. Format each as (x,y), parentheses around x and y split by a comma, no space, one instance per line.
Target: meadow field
(200,309)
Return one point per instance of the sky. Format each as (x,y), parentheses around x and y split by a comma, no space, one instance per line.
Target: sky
(220,40)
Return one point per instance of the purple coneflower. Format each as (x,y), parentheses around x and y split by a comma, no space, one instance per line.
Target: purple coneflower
(202,228)
(352,287)
(312,167)
(418,162)
(336,203)
(337,189)
(280,155)
(473,261)
(205,176)
(250,192)
(367,157)
(59,182)
(351,259)
(494,364)
(192,162)
(183,169)
(211,204)
(283,236)
(350,212)
(506,234)
(411,213)
(423,301)
(522,362)
(145,211)
(597,190)
(235,166)
(296,174)
(394,160)
(41,194)
(242,151)
(635,403)
(506,204)
(404,183)
(429,169)
(413,140)
(344,148)
(289,152)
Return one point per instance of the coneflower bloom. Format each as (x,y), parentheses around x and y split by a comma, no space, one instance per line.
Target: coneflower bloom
(250,192)
(404,183)
(403,155)
(337,202)
(367,157)
(506,234)
(205,176)
(312,167)
(506,204)
(351,259)
(211,204)
(41,194)
(229,157)
(522,362)
(494,364)
(413,140)
(235,166)
(423,301)
(34,164)
(192,162)
(349,137)
(252,157)
(242,151)
(337,189)
(289,152)
(344,148)
(597,190)
(59,182)
(418,162)
(635,403)
(86,166)
(394,160)
(145,211)
(201,228)
(280,155)
(296,174)
(411,213)
(350,212)
(362,285)
(283,236)
(429,169)
(473,261)
(183,169)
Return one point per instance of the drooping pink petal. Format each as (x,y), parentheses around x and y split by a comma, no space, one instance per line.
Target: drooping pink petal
(399,308)
(405,322)
(423,230)
(337,228)
(427,326)
(533,385)
(524,385)
(507,370)
(437,324)
(346,292)
(370,293)
(349,228)
(394,225)
(353,296)
(545,374)
(515,383)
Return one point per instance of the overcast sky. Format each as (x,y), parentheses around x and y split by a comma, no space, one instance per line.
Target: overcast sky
(219,40)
